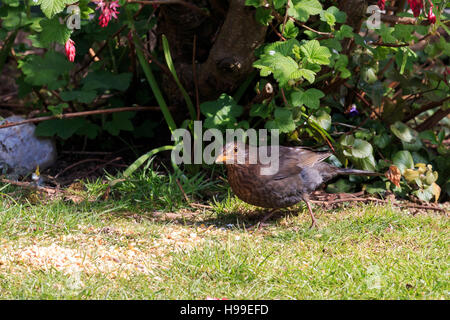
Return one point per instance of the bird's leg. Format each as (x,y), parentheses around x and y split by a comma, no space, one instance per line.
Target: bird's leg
(264,219)
(314,222)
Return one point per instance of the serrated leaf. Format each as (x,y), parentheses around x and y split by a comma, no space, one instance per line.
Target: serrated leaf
(310,98)
(64,128)
(315,53)
(221,113)
(53,31)
(52,7)
(303,9)
(281,66)
(45,70)
(283,121)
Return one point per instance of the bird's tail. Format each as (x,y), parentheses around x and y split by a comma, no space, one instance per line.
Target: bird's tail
(357,172)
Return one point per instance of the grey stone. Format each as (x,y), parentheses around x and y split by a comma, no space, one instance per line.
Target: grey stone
(21,151)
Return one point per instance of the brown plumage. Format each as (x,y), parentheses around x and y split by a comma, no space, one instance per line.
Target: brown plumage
(301,171)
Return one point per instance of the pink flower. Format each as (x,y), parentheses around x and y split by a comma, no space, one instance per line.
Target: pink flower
(416,6)
(431,15)
(108,10)
(381,4)
(70,50)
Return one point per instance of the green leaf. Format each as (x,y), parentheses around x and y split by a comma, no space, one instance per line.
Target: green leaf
(306,74)
(106,80)
(382,140)
(403,132)
(281,66)
(315,53)
(254,3)
(63,128)
(283,121)
(120,121)
(260,110)
(344,32)
(310,98)
(361,149)
(80,96)
(58,109)
(279,3)
(323,119)
(403,160)
(52,7)
(89,129)
(263,16)
(340,186)
(303,9)
(45,70)
(221,113)
(53,31)
(290,30)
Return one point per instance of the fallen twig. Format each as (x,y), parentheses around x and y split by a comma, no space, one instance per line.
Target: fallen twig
(77,114)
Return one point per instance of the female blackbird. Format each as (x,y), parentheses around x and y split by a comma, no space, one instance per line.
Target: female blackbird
(300,172)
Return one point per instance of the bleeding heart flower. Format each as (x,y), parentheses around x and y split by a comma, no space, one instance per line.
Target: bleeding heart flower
(70,50)
(381,4)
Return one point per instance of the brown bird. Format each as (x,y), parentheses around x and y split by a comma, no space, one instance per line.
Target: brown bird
(300,172)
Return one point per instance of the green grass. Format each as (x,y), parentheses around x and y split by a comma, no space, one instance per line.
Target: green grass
(145,242)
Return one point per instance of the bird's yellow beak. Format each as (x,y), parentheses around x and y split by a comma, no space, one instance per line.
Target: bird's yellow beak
(221,158)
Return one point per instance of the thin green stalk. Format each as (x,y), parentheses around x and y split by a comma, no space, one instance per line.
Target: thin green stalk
(150,77)
(171,66)
(135,165)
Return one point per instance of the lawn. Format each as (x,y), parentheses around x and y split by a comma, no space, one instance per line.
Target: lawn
(140,240)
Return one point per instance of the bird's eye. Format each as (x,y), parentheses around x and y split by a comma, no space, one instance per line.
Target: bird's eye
(235,149)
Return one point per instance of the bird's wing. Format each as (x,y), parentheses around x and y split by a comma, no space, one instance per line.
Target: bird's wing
(294,160)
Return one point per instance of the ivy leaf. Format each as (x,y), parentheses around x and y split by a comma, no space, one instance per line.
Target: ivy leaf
(310,98)
(302,9)
(221,113)
(52,7)
(315,53)
(403,160)
(283,121)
